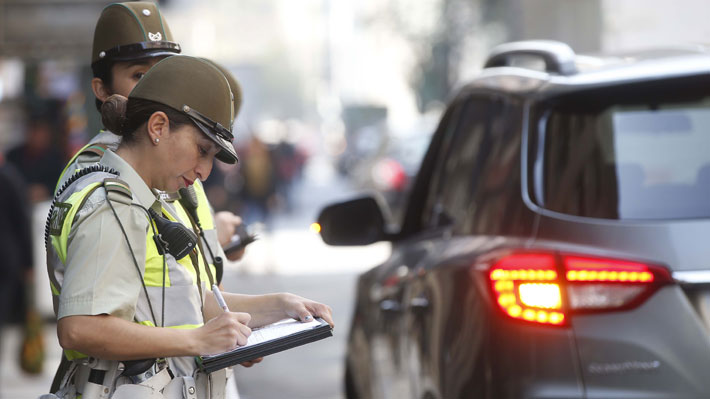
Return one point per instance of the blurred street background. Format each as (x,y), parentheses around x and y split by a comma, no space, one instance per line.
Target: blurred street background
(340,97)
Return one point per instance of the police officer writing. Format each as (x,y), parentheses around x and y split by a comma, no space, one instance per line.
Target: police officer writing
(122,268)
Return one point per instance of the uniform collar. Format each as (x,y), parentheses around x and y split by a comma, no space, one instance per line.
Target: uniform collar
(140,190)
(108,138)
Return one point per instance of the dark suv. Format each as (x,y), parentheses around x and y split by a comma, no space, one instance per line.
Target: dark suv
(555,242)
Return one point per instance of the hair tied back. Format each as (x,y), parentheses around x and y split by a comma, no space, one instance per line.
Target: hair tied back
(113,113)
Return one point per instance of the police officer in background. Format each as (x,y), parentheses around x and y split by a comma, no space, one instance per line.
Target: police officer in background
(117,280)
(128,40)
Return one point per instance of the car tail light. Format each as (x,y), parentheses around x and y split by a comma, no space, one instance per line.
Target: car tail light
(546,288)
(388,174)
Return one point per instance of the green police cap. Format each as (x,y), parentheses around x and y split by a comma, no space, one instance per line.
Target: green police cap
(233,84)
(131,30)
(197,89)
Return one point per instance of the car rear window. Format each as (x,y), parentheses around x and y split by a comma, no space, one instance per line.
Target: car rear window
(634,152)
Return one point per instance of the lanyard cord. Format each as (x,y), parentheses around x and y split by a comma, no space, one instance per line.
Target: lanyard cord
(133,257)
(196,226)
(165,266)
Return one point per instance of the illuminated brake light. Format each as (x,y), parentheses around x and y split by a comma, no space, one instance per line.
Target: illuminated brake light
(590,269)
(388,174)
(597,284)
(527,287)
(538,295)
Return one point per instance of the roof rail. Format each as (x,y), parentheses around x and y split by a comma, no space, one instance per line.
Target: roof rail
(558,56)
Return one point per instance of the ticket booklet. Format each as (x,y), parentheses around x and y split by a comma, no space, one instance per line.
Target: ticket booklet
(267,340)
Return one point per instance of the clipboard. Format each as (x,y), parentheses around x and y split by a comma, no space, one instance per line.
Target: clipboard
(267,340)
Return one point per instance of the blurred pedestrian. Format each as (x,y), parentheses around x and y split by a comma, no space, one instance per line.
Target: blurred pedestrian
(172,128)
(288,161)
(259,174)
(37,159)
(15,244)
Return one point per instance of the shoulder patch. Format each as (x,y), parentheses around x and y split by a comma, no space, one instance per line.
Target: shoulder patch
(56,219)
(113,185)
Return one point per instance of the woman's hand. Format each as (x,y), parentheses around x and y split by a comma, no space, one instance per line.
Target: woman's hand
(252,362)
(305,310)
(226,224)
(223,333)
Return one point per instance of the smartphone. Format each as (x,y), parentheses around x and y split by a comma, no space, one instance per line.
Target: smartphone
(239,241)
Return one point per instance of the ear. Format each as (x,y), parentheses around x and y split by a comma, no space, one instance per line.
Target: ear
(158,126)
(100,89)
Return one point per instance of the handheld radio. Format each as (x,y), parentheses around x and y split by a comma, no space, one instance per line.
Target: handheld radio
(173,237)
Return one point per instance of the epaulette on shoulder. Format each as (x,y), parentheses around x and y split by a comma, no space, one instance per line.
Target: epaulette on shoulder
(97,149)
(113,185)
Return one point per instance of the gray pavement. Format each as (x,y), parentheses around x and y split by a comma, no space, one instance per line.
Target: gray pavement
(14,384)
(312,371)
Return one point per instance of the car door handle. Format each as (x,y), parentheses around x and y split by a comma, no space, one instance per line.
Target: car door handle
(419,302)
(390,305)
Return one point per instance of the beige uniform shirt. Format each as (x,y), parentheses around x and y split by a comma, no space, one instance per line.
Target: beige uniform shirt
(101,275)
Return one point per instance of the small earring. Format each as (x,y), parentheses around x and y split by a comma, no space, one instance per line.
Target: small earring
(157,140)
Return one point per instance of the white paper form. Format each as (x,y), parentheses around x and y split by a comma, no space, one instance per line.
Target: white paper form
(277,330)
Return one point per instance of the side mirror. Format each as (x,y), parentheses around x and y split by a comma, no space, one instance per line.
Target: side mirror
(359,221)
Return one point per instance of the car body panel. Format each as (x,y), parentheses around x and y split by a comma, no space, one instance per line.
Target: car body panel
(659,350)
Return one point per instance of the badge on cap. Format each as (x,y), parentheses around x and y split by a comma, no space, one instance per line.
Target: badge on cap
(156,37)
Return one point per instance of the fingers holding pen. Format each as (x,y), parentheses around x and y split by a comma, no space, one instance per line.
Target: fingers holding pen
(224,332)
(244,332)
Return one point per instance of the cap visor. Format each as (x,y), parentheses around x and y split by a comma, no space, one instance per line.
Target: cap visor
(227,154)
(145,54)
